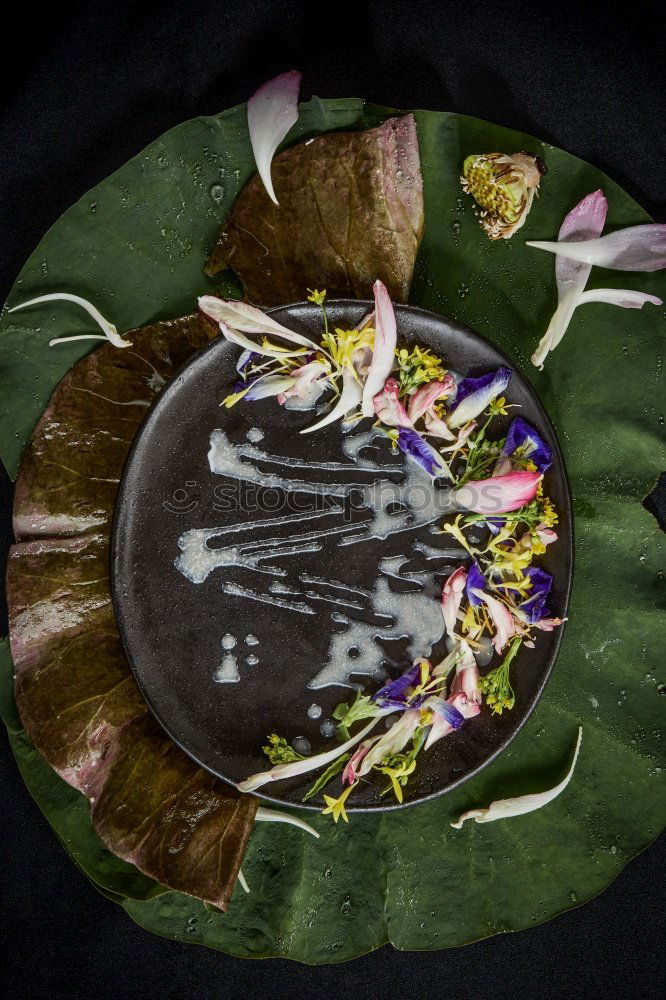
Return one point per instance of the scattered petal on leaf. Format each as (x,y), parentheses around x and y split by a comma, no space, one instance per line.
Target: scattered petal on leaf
(110,331)
(271,112)
(505,808)
(277,816)
(638,248)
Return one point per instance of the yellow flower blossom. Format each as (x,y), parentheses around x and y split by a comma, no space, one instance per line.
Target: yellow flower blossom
(549,515)
(513,560)
(284,350)
(498,406)
(343,343)
(317,297)
(469,622)
(233,398)
(336,807)
(455,530)
(416,367)
(395,773)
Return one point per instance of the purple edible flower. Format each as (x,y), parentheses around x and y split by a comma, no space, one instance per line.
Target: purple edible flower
(521,436)
(475,394)
(413,445)
(393,694)
(447,711)
(494,524)
(244,360)
(475,581)
(534,608)
(243,383)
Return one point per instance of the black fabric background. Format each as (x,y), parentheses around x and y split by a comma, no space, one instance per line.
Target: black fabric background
(85,87)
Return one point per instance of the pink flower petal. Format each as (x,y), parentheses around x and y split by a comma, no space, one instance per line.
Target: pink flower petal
(548,624)
(383,352)
(303,378)
(463,434)
(452,593)
(501,617)
(584,222)
(499,494)
(427,394)
(546,535)
(466,680)
(388,407)
(271,112)
(435,426)
(638,248)
(303,382)
(350,772)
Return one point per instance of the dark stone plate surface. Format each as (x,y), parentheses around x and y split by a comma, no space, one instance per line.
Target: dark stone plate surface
(174,630)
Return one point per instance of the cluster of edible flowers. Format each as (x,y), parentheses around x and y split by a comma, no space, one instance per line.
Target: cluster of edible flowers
(436,420)
(501,597)
(431,702)
(493,603)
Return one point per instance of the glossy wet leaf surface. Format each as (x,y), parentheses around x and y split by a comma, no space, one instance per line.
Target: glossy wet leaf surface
(351,211)
(136,244)
(74,689)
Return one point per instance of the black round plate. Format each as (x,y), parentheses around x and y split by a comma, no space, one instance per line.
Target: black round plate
(174,631)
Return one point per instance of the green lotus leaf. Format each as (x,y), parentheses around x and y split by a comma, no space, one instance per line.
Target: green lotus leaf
(351,211)
(135,244)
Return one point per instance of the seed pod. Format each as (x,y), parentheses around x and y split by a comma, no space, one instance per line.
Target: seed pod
(504,187)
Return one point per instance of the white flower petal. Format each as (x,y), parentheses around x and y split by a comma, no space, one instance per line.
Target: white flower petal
(245,318)
(505,808)
(623,297)
(584,222)
(236,337)
(243,881)
(271,112)
(638,248)
(276,816)
(349,398)
(110,331)
(305,765)
(383,351)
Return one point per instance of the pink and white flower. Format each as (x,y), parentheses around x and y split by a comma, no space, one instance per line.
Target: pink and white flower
(271,112)
(452,594)
(388,407)
(304,379)
(441,726)
(428,394)
(466,680)
(383,351)
(351,769)
(501,617)
(498,494)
